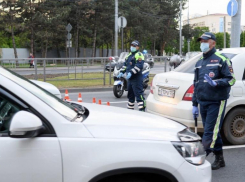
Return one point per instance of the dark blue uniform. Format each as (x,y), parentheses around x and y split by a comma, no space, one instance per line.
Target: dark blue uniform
(134,63)
(212,100)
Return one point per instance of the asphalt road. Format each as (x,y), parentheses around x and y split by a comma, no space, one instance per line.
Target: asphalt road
(234,155)
(158,68)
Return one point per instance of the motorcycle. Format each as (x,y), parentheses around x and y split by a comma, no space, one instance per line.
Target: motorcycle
(120,84)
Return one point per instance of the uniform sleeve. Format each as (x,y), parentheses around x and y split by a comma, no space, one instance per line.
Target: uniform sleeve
(194,97)
(123,69)
(139,58)
(227,74)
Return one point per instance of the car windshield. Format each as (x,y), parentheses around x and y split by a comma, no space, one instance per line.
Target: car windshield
(57,104)
(189,65)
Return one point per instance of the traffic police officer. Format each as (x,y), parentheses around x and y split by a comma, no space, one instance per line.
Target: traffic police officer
(133,66)
(212,83)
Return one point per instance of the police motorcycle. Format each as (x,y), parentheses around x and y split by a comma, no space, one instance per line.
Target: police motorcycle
(120,84)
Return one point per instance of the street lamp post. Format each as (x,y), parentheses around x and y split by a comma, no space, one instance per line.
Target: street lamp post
(116,28)
(180,30)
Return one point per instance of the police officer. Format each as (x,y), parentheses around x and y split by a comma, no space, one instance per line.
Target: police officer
(212,83)
(133,66)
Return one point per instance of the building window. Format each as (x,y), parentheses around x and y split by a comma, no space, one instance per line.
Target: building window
(229,23)
(229,29)
(213,30)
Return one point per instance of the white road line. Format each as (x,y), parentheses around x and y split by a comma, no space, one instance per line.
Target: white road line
(234,147)
(115,102)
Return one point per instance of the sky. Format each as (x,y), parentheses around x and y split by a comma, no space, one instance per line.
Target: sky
(211,6)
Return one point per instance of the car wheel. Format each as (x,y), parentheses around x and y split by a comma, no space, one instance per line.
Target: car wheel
(117,91)
(234,126)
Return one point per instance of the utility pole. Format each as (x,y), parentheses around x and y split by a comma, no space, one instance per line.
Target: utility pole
(189,26)
(180,30)
(236,25)
(116,28)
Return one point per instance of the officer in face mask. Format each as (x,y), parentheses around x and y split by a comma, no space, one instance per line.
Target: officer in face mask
(133,66)
(212,84)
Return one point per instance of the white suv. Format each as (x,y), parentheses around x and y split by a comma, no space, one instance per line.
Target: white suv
(46,139)
(171,96)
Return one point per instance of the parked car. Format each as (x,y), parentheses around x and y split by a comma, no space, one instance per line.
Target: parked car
(49,87)
(171,96)
(46,139)
(149,59)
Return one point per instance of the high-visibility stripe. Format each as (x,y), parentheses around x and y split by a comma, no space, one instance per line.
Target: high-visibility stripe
(137,68)
(221,56)
(130,103)
(216,127)
(142,98)
(134,71)
(129,107)
(140,107)
(214,65)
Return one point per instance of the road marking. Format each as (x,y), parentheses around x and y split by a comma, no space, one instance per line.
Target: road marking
(115,102)
(234,147)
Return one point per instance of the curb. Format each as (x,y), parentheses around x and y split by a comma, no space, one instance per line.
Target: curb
(75,90)
(100,89)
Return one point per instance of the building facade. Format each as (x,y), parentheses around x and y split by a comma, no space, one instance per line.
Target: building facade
(213,21)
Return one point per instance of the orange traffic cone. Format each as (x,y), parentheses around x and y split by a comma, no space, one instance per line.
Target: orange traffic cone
(79,98)
(67,98)
(100,102)
(108,103)
(94,101)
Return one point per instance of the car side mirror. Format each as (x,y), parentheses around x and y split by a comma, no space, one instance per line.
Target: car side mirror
(25,125)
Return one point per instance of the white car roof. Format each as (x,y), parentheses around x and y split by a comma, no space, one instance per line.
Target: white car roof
(237,50)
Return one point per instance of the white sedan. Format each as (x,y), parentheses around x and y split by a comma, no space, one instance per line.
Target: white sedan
(46,139)
(171,96)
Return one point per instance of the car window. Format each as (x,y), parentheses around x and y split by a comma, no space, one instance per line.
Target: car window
(229,55)
(188,66)
(54,102)
(7,110)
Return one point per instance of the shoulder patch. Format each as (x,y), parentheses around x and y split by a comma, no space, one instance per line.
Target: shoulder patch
(231,69)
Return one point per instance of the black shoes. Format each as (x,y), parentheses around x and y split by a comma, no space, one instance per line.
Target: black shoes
(219,161)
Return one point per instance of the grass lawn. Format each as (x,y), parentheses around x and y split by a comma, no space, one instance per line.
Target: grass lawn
(60,82)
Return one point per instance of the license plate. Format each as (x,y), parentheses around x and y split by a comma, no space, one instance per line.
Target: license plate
(166,92)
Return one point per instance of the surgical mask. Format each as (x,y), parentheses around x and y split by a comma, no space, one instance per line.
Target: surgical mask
(204,47)
(133,49)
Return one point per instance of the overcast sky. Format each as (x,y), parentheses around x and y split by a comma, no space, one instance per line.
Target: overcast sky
(212,6)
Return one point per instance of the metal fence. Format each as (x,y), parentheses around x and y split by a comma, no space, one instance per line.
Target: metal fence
(51,69)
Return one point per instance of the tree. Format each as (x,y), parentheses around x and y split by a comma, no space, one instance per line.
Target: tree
(220,40)
(11,17)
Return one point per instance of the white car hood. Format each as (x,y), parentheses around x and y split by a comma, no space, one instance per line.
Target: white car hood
(117,123)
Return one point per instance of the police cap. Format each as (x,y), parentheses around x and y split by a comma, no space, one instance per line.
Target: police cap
(207,36)
(135,43)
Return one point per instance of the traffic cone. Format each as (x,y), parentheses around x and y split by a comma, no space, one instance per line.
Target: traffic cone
(94,101)
(108,103)
(99,102)
(67,98)
(79,98)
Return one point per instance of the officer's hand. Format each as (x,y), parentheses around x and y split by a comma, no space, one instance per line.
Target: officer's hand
(120,75)
(195,112)
(210,81)
(129,75)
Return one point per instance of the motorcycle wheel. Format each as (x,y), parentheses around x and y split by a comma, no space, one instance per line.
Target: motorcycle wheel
(117,91)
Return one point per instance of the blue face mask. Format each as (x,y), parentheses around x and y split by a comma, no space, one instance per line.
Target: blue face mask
(133,49)
(204,47)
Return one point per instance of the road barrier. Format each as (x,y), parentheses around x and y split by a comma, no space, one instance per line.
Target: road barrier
(62,69)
